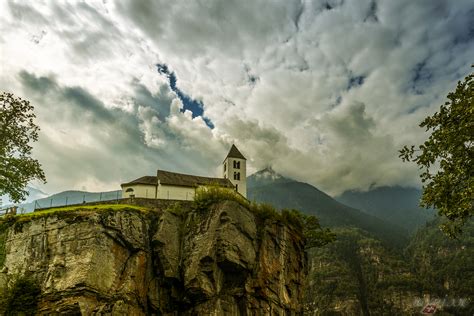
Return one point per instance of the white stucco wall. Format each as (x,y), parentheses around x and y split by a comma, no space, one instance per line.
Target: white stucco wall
(229,174)
(139,190)
(171,192)
(165,192)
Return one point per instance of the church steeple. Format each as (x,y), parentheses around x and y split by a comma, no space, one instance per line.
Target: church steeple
(235,170)
(235,153)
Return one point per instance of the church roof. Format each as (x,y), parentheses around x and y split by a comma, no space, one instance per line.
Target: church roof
(143,180)
(173,178)
(180,179)
(235,153)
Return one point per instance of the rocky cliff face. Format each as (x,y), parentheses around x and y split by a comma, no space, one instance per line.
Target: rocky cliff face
(128,262)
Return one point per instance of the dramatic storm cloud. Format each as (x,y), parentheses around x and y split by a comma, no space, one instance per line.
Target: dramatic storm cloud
(324,91)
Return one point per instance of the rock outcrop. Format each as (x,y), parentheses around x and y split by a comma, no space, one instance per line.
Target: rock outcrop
(182,262)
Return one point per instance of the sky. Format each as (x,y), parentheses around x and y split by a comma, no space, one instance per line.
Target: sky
(325,92)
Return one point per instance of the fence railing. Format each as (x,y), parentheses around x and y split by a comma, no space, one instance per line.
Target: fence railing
(74,199)
(9,210)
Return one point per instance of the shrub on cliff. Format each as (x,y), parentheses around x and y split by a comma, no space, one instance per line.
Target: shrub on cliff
(314,234)
(22,297)
(208,195)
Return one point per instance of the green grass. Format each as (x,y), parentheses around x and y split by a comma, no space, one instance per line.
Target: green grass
(81,208)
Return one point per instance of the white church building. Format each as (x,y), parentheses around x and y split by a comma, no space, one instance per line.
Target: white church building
(177,186)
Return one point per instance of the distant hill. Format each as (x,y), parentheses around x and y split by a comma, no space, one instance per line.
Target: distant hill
(269,187)
(68,198)
(33,194)
(397,205)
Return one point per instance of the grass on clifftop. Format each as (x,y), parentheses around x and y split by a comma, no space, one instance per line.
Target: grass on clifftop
(81,208)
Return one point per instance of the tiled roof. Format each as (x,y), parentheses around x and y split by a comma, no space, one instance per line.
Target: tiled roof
(143,180)
(173,178)
(180,179)
(235,153)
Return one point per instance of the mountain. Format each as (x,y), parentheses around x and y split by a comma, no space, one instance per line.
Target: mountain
(33,194)
(69,198)
(359,275)
(397,205)
(266,186)
(265,177)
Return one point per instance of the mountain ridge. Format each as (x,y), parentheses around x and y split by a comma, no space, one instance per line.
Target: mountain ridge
(288,193)
(396,204)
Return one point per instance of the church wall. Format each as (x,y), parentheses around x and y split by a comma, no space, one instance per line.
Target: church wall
(139,190)
(165,192)
(172,192)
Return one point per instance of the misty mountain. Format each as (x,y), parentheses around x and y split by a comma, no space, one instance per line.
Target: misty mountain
(69,198)
(397,205)
(268,187)
(33,194)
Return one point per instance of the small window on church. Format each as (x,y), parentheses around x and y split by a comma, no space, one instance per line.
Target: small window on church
(225,167)
(236,187)
(236,175)
(236,164)
(129,190)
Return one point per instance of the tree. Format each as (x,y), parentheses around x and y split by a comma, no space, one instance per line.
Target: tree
(17,131)
(315,236)
(446,158)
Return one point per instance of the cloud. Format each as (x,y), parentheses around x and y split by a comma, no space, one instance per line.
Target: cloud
(87,144)
(325,91)
(194,106)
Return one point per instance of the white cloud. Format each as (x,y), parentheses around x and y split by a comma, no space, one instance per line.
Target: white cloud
(325,91)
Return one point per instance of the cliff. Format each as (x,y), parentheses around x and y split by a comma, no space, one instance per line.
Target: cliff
(141,261)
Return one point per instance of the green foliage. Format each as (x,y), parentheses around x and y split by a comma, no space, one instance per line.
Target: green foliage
(265,211)
(176,209)
(209,195)
(5,223)
(17,131)
(22,297)
(449,150)
(444,266)
(357,271)
(360,271)
(314,234)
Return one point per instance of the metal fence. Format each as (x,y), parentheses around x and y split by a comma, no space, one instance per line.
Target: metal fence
(74,198)
(62,199)
(8,210)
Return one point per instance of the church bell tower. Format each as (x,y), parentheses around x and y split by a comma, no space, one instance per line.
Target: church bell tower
(235,170)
